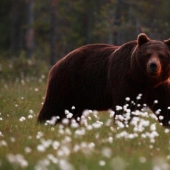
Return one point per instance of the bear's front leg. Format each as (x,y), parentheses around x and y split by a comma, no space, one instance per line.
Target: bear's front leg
(159,102)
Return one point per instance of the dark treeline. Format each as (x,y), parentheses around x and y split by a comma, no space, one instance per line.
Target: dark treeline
(51,28)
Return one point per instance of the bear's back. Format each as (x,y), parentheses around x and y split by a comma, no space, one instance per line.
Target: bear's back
(89,58)
(82,75)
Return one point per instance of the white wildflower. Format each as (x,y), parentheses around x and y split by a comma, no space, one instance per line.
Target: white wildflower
(118,163)
(91,145)
(41,148)
(108,122)
(118,108)
(161,117)
(55,145)
(153,127)
(80,132)
(46,143)
(30,116)
(28,150)
(139,96)
(155,101)
(89,127)
(74,124)
(17,159)
(97,124)
(66,112)
(65,165)
(1,134)
(127,98)
(42,164)
(76,148)
(52,158)
(142,159)
(107,152)
(166,130)
(65,121)
(3,143)
(102,163)
(160,163)
(12,139)
(158,111)
(86,113)
(110,139)
(36,89)
(73,107)
(112,113)
(22,119)
(39,135)
(69,115)
(31,111)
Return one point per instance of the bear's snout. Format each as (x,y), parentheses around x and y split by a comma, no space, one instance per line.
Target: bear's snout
(154,67)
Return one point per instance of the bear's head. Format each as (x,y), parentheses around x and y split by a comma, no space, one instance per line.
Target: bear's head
(151,59)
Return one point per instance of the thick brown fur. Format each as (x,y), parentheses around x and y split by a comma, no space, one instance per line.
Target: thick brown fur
(101,76)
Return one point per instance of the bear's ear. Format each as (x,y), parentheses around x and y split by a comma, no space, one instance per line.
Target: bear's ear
(167,42)
(142,39)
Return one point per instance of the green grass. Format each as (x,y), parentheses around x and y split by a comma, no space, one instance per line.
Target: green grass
(99,144)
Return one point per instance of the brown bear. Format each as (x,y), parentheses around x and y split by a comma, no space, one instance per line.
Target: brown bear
(102,76)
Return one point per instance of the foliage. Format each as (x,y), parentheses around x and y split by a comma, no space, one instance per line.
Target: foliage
(82,22)
(13,70)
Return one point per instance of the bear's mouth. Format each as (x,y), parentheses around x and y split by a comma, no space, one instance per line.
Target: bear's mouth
(153,69)
(153,72)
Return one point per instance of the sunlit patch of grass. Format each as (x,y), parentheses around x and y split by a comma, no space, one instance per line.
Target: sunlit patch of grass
(98,143)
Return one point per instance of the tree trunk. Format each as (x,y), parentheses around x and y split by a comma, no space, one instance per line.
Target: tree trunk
(13,30)
(53,6)
(118,22)
(20,37)
(30,29)
(89,22)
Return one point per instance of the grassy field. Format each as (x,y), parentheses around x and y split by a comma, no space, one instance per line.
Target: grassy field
(98,144)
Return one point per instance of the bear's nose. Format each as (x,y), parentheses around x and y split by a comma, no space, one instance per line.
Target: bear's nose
(153,68)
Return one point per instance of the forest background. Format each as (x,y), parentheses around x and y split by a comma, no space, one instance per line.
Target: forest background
(49,29)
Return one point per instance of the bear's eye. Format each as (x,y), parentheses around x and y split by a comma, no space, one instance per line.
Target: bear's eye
(161,56)
(148,55)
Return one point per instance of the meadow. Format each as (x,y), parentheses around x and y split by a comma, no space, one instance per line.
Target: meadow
(98,143)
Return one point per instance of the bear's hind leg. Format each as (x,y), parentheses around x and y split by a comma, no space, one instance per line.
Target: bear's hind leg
(50,111)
